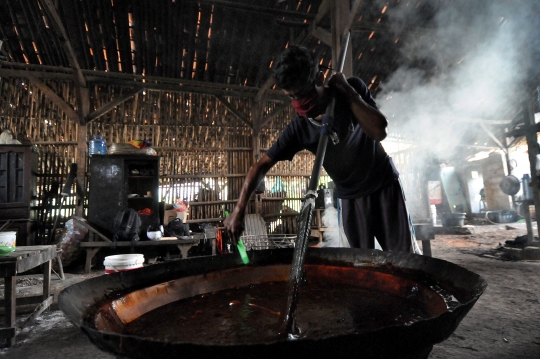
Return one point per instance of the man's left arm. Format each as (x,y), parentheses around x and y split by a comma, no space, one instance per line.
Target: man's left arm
(373,122)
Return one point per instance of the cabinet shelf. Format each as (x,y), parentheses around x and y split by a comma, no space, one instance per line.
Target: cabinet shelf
(109,195)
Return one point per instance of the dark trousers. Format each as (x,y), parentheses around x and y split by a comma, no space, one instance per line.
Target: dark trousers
(382,214)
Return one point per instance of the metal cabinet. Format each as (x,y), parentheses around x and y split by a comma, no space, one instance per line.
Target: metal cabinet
(119,182)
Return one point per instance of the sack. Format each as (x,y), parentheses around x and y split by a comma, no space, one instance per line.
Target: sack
(70,243)
(126,226)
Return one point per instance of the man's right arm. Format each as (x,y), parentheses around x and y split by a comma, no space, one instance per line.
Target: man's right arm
(234,223)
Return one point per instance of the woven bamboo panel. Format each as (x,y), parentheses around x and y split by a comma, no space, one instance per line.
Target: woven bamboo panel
(205,149)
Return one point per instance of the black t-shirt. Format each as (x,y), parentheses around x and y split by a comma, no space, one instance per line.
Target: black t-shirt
(358,165)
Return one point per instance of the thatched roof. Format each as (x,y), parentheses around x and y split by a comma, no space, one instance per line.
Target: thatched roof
(226,47)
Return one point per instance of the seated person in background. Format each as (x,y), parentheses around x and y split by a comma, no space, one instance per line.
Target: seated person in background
(183,216)
(177,226)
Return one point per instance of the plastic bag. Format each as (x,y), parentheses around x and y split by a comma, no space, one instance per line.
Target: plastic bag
(70,241)
(6,138)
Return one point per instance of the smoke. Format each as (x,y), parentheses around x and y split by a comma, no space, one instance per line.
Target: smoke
(462,61)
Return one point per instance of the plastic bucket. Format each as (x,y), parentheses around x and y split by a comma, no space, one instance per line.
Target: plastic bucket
(502,216)
(449,219)
(123,262)
(8,239)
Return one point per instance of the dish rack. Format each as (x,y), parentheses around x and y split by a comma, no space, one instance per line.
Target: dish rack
(268,241)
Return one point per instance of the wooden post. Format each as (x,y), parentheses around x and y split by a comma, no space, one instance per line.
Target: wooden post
(532,144)
(340,11)
(82,150)
(257,112)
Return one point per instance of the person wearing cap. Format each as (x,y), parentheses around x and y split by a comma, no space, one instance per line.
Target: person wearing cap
(365,178)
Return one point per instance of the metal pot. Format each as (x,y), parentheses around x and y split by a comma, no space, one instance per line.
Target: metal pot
(89,304)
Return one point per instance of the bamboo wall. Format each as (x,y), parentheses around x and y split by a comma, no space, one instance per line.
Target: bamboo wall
(33,118)
(205,149)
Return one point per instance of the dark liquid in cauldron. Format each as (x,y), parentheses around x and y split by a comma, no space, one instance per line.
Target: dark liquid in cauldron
(324,309)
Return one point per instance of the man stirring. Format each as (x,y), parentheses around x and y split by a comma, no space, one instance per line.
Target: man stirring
(366,181)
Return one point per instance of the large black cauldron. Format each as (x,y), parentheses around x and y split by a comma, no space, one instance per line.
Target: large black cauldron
(99,306)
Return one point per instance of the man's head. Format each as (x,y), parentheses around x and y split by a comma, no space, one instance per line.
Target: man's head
(295,68)
(297,73)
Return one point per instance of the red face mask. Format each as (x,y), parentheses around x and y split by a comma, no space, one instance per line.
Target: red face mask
(308,106)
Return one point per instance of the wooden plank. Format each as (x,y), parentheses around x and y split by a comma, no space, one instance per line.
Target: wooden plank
(30,28)
(64,39)
(21,301)
(106,20)
(159,243)
(10,294)
(47,280)
(36,313)
(149,43)
(121,21)
(256,8)
(24,51)
(96,41)
(74,9)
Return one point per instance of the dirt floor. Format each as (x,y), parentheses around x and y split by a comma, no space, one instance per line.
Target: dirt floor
(504,323)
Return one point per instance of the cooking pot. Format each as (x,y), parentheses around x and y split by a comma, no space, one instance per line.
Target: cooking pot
(100,306)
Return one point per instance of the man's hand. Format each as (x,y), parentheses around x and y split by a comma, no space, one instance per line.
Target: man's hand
(373,122)
(338,82)
(234,224)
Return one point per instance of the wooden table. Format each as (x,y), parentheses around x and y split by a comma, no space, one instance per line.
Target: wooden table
(20,261)
(98,240)
(183,245)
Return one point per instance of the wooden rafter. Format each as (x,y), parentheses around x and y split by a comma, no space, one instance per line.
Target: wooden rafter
(237,113)
(256,8)
(109,106)
(68,49)
(50,94)
(276,112)
(494,138)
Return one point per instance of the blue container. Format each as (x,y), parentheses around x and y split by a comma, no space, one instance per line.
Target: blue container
(97,146)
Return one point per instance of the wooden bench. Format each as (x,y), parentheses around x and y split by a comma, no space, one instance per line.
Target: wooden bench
(20,261)
(97,241)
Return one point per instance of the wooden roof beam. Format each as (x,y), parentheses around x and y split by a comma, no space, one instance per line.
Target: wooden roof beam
(68,49)
(137,81)
(494,138)
(276,112)
(237,113)
(256,8)
(51,95)
(109,106)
